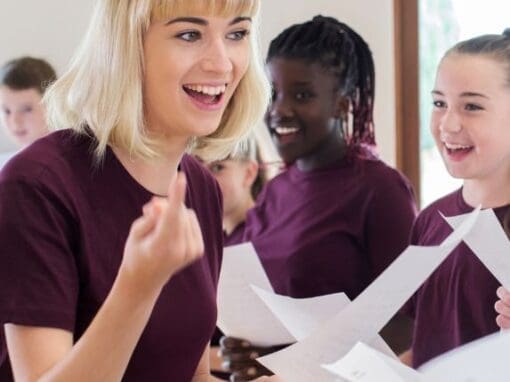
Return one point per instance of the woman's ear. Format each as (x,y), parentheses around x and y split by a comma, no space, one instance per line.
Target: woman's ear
(342,107)
(252,170)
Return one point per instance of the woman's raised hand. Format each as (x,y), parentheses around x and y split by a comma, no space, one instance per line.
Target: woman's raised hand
(165,239)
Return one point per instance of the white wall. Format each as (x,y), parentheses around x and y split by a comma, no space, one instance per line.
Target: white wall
(49,29)
(373,20)
(52,28)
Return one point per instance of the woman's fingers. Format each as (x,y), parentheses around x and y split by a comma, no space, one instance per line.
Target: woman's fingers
(504,295)
(166,238)
(503,322)
(143,225)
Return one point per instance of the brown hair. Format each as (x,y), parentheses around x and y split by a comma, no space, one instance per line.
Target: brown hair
(27,73)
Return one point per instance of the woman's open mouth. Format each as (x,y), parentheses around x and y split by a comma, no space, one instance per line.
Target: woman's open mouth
(206,95)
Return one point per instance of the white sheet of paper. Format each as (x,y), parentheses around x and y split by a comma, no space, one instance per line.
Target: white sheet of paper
(489,242)
(362,319)
(482,360)
(365,364)
(241,313)
(302,316)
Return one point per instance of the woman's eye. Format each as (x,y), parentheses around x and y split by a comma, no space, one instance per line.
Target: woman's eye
(216,167)
(238,35)
(438,104)
(473,107)
(189,36)
(301,96)
(27,109)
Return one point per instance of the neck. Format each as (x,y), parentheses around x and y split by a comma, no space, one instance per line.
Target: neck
(331,150)
(232,219)
(489,193)
(155,174)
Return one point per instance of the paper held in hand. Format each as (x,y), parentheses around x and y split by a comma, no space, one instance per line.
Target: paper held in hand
(366,315)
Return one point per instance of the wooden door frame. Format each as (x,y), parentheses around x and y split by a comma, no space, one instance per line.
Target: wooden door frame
(407,90)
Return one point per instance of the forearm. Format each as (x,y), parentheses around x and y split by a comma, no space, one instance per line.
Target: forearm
(104,350)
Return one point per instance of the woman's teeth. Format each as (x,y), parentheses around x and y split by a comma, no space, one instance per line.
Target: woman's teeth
(453,146)
(209,90)
(286,130)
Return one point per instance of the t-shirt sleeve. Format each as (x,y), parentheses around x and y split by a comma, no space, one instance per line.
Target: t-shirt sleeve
(390,218)
(38,275)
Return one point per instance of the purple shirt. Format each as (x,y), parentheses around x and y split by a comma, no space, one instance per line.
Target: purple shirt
(63,225)
(236,236)
(331,230)
(455,305)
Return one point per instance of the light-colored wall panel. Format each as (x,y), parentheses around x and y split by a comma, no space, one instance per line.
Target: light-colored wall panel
(52,29)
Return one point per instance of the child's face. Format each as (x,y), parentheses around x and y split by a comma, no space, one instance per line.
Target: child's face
(305,105)
(22,114)
(470,120)
(235,178)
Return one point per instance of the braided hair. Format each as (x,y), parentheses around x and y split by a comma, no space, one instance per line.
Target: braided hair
(341,51)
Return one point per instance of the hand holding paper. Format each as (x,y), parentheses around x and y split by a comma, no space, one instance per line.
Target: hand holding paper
(241,313)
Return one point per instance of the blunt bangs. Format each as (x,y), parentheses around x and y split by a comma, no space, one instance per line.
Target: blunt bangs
(165,9)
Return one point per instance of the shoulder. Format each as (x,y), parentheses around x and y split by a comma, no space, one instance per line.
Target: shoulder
(430,223)
(449,205)
(380,173)
(383,180)
(58,153)
(276,186)
(5,156)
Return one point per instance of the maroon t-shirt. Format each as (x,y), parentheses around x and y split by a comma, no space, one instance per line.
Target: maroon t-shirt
(331,230)
(236,236)
(63,225)
(455,305)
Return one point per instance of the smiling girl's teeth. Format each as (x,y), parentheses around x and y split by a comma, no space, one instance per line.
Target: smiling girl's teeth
(453,146)
(286,130)
(209,90)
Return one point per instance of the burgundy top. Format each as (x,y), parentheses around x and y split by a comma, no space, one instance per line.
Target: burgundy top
(455,305)
(63,225)
(333,229)
(236,236)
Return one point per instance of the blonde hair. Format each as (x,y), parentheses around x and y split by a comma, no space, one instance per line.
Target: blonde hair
(101,93)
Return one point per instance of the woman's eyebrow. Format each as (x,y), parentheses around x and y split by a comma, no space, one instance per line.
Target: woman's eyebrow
(201,21)
(193,20)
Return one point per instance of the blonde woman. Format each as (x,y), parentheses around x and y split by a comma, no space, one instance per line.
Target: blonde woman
(89,289)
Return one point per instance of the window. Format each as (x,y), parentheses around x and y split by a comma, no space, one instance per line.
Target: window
(442,23)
